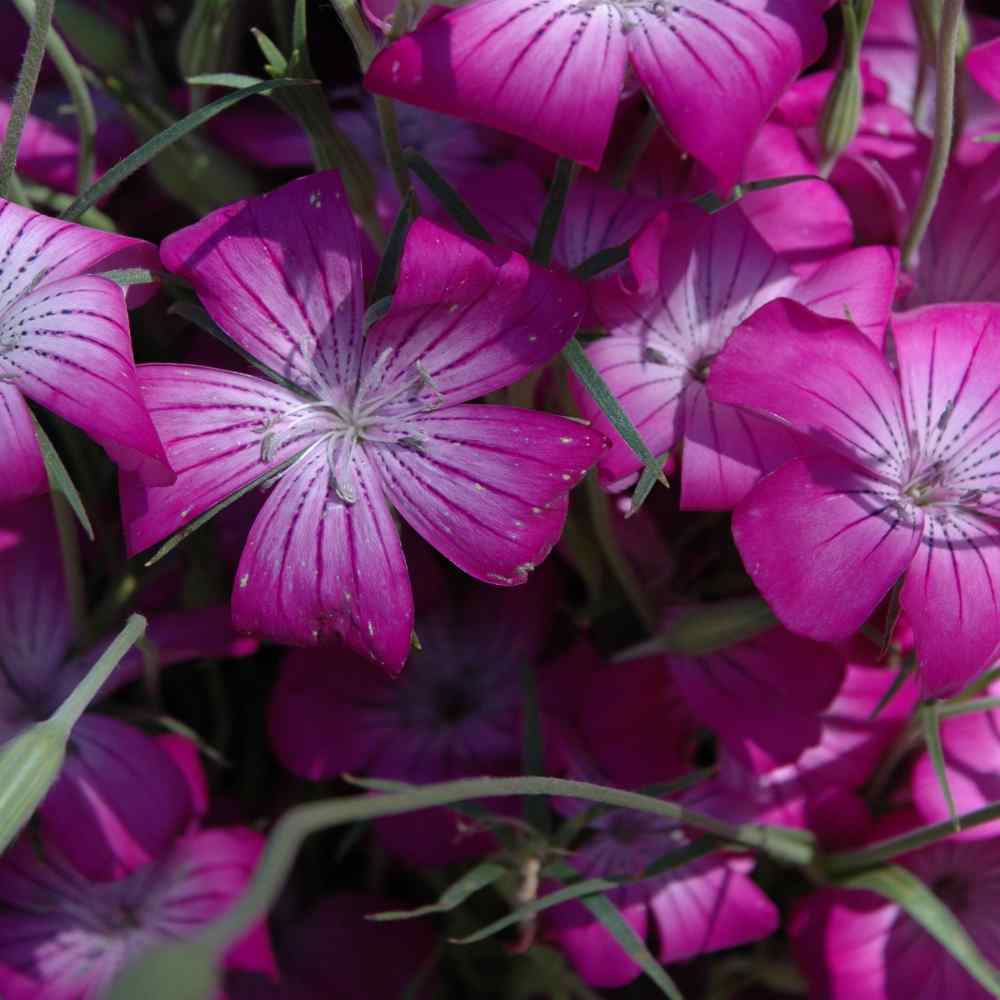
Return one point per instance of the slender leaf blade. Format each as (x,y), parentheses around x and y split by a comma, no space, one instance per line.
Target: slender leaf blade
(931,725)
(480,877)
(60,480)
(388,269)
(552,213)
(448,197)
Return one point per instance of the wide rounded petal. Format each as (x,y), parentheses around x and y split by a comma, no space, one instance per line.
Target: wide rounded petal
(487,485)
(716,69)
(68,347)
(952,598)
(315,566)
(550,71)
(820,376)
(768,692)
(38,250)
(468,318)
(93,814)
(824,542)
(727,450)
(24,472)
(212,424)
(281,274)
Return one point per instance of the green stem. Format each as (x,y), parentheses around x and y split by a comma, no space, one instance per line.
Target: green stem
(356,28)
(304,820)
(69,548)
(389,127)
(944,124)
(83,105)
(84,693)
(885,850)
(27,80)
(636,148)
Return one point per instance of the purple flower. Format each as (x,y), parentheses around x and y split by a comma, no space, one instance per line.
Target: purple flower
(64,343)
(454,713)
(903,481)
(693,279)
(63,937)
(855,945)
(553,71)
(92,814)
(362,419)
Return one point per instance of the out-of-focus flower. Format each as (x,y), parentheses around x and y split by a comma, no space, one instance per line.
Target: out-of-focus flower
(903,483)
(553,72)
(361,419)
(64,343)
(694,278)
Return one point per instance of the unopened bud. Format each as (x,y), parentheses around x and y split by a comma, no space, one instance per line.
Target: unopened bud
(841,114)
(206,44)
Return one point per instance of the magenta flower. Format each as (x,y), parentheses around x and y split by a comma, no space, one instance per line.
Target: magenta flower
(553,72)
(903,482)
(361,419)
(694,278)
(454,713)
(855,945)
(764,696)
(63,937)
(91,815)
(971,745)
(700,907)
(64,343)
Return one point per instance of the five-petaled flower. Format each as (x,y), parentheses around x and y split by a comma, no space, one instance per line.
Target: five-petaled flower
(361,418)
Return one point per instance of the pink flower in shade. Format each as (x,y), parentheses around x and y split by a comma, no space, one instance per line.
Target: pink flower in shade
(64,343)
(553,72)
(855,945)
(454,713)
(971,745)
(902,483)
(91,814)
(703,906)
(693,279)
(63,937)
(337,929)
(361,418)
(764,696)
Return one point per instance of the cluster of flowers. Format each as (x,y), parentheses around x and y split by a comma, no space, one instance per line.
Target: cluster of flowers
(788,352)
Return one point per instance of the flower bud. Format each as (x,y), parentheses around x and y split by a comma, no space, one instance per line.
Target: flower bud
(206,43)
(29,766)
(186,971)
(838,124)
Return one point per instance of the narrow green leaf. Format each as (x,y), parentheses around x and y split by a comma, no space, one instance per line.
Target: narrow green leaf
(950,709)
(614,923)
(388,269)
(711,203)
(897,682)
(535,809)
(579,890)
(598,390)
(234,80)
(60,480)
(195,313)
(449,198)
(277,64)
(483,875)
(127,276)
(555,205)
(189,529)
(149,150)
(930,723)
(915,897)
(601,261)
(651,475)
(376,311)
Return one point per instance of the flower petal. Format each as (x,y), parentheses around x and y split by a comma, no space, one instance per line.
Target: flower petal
(726,450)
(764,697)
(468,318)
(820,376)
(212,424)
(68,347)
(92,814)
(949,360)
(716,69)
(487,485)
(39,250)
(824,542)
(23,470)
(952,598)
(526,68)
(281,274)
(315,566)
